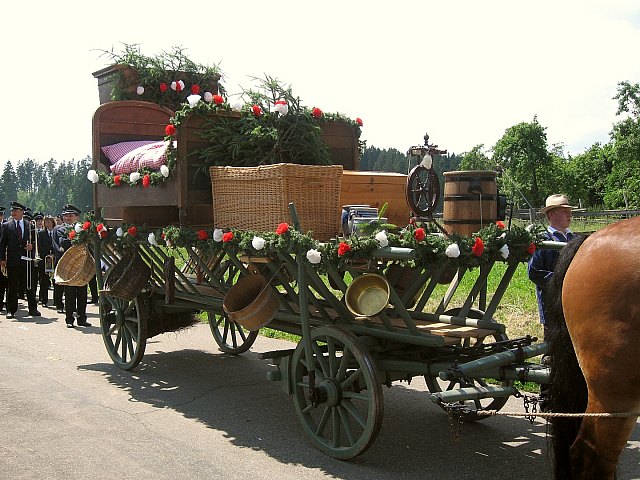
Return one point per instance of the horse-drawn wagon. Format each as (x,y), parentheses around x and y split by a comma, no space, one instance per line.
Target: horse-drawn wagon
(370,310)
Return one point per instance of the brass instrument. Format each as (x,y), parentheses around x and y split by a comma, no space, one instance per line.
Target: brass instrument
(31,259)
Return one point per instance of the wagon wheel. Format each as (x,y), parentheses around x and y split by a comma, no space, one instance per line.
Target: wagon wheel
(343,414)
(436,385)
(124,329)
(423,191)
(230,336)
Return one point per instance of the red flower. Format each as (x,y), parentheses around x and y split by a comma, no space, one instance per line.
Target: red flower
(132,230)
(195,89)
(316,112)
(116,180)
(72,234)
(282,228)
(257,111)
(146,180)
(202,235)
(163,87)
(86,225)
(531,248)
(100,227)
(217,99)
(359,121)
(500,224)
(478,247)
(103,233)
(162,235)
(170,130)
(343,248)
(178,86)
(227,237)
(419,234)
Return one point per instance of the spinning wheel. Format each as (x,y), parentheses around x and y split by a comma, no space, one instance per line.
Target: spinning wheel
(423,191)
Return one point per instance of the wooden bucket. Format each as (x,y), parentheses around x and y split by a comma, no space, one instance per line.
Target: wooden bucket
(251,302)
(470,201)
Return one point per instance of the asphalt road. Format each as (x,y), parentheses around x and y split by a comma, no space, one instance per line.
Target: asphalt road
(190,412)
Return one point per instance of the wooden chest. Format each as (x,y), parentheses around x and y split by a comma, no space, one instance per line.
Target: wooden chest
(376,188)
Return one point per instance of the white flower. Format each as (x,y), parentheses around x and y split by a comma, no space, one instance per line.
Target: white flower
(217,234)
(140,90)
(529,227)
(504,251)
(237,106)
(181,83)
(164,170)
(92,175)
(119,232)
(382,239)
(281,108)
(77,227)
(174,85)
(257,243)
(193,100)
(168,242)
(134,177)
(314,256)
(152,239)
(452,251)
(208,97)
(504,234)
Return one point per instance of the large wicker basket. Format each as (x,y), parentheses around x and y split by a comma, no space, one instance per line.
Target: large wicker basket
(76,267)
(257,198)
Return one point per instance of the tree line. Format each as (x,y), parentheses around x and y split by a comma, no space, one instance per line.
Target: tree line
(47,187)
(603,176)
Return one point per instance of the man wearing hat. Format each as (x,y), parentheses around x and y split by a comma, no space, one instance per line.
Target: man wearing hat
(75,298)
(541,265)
(3,279)
(15,247)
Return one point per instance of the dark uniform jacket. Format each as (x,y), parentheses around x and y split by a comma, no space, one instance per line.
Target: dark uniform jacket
(12,248)
(61,242)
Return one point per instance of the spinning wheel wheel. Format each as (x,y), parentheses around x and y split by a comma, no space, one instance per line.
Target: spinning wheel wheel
(423,191)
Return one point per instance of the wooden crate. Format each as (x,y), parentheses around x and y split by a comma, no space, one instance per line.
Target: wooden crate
(376,188)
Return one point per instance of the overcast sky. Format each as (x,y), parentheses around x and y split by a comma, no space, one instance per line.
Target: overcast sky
(464,71)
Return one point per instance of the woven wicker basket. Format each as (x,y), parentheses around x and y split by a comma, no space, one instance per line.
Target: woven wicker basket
(257,198)
(76,267)
(128,277)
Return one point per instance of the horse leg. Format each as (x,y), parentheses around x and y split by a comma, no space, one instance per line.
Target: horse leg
(599,443)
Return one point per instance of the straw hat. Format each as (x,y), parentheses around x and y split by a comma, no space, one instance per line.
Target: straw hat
(556,201)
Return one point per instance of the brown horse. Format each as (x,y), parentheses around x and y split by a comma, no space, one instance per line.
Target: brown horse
(595,316)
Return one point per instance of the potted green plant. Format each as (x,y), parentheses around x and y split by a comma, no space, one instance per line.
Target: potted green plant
(167,78)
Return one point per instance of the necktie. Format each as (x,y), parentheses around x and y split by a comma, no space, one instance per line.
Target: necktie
(19,230)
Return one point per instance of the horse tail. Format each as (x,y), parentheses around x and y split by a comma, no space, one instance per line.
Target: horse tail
(568,389)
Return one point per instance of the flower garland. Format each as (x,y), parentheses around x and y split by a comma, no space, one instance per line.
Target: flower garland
(210,104)
(492,243)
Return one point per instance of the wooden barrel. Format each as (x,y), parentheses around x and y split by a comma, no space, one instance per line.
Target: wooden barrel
(470,200)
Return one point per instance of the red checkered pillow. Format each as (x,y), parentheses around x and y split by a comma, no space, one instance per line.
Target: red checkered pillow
(118,150)
(153,156)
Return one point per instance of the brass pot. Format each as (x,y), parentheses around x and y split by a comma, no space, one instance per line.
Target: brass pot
(367,295)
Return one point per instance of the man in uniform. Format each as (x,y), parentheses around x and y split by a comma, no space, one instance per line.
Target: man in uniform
(75,298)
(3,279)
(16,246)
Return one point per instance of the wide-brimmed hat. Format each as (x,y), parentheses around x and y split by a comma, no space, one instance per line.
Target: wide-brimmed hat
(556,201)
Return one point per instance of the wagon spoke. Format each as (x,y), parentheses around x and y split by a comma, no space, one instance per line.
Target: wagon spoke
(351,378)
(344,362)
(353,411)
(346,425)
(323,420)
(320,358)
(335,420)
(331,353)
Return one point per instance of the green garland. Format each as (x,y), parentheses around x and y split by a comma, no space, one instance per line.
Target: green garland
(488,245)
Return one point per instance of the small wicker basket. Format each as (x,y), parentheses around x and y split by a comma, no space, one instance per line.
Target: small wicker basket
(257,198)
(76,267)
(128,277)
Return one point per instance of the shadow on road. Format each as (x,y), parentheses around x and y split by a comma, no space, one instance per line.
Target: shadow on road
(232,395)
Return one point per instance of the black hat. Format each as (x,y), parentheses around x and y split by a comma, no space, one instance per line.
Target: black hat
(70,209)
(38,215)
(17,206)
(2,209)
(28,215)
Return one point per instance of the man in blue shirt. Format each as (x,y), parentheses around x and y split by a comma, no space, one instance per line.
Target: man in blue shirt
(543,261)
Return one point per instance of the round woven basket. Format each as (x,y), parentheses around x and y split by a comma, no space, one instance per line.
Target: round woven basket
(76,267)
(251,302)
(128,277)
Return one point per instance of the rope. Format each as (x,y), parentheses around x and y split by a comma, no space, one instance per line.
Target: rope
(552,414)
